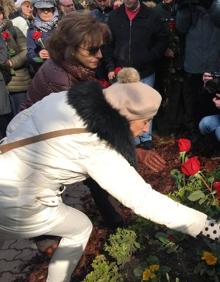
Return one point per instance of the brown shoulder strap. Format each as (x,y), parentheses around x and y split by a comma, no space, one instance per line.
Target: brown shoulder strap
(37,138)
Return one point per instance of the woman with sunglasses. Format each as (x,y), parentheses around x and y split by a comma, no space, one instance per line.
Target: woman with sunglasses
(74,50)
(45,22)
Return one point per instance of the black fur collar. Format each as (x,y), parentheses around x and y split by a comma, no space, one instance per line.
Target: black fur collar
(100,118)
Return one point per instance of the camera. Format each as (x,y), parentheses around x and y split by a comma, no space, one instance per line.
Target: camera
(213,85)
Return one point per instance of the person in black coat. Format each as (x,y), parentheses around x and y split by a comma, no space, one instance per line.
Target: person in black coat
(139,40)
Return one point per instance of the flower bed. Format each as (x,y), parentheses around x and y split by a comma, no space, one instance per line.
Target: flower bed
(148,252)
(145,251)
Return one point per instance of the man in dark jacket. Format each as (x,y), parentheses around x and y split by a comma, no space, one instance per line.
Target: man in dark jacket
(139,41)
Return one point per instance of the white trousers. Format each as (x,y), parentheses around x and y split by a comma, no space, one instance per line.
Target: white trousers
(75,229)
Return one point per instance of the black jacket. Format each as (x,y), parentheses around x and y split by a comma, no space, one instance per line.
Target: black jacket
(139,43)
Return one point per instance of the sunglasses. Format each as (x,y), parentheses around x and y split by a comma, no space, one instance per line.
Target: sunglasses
(46,9)
(93,50)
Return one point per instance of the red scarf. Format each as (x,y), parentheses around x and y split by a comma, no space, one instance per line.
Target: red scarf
(132,13)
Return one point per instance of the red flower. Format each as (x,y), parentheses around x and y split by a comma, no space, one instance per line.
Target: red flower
(117,70)
(216,186)
(184,145)
(36,35)
(5,35)
(191,166)
(171,25)
(104,83)
(170,237)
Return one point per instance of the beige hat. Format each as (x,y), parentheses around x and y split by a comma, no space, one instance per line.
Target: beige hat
(134,99)
(18,3)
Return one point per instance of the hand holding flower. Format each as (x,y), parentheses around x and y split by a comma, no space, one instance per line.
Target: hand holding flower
(37,37)
(111,75)
(44,54)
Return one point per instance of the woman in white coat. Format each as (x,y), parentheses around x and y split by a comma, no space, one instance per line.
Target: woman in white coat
(31,175)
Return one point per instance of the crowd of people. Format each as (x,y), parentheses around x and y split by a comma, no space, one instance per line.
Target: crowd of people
(79,99)
(171,44)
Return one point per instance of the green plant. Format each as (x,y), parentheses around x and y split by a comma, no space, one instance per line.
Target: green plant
(103,271)
(209,263)
(167,243)
(122,245)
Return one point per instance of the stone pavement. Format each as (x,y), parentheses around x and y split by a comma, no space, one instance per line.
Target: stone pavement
(17,256)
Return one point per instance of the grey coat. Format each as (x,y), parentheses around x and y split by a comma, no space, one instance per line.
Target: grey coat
(202,42)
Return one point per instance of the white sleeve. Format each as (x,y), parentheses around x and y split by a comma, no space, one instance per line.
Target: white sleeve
(122,181)
(21,23)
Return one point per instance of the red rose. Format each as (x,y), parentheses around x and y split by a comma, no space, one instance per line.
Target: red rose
(184,145)
(191,166)
(170,237)
(216,186)
(172,25)
(5,35)
(36,35)
(117,70)
(104,83)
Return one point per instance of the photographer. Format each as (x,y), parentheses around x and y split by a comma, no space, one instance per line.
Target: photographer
(199,21)
(211,124)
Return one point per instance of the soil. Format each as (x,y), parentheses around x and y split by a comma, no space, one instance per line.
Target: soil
(163,183)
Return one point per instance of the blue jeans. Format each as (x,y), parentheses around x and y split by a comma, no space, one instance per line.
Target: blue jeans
(146,136)
(210,124)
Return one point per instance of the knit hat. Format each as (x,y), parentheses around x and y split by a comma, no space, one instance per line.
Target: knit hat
(134,99)
(40,4)
(18,3)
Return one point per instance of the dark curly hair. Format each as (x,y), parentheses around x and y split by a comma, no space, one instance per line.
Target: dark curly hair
(75,29)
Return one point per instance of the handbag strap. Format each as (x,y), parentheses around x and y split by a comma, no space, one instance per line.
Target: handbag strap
(37,138)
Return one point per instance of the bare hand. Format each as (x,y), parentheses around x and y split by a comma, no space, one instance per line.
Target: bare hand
(44,54)
(111,75)
(8,64)
(216,101)
(151,159)
(169,53)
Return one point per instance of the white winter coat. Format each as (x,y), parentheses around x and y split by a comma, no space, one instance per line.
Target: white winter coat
(30,176)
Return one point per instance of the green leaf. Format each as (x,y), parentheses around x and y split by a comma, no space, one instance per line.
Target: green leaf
(201,201)
(38,60)
(195,196)
(165,268)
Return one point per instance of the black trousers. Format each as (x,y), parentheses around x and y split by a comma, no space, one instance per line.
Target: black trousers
(197,101)
(4,121)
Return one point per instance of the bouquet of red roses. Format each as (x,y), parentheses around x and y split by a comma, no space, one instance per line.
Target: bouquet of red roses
(195,184)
